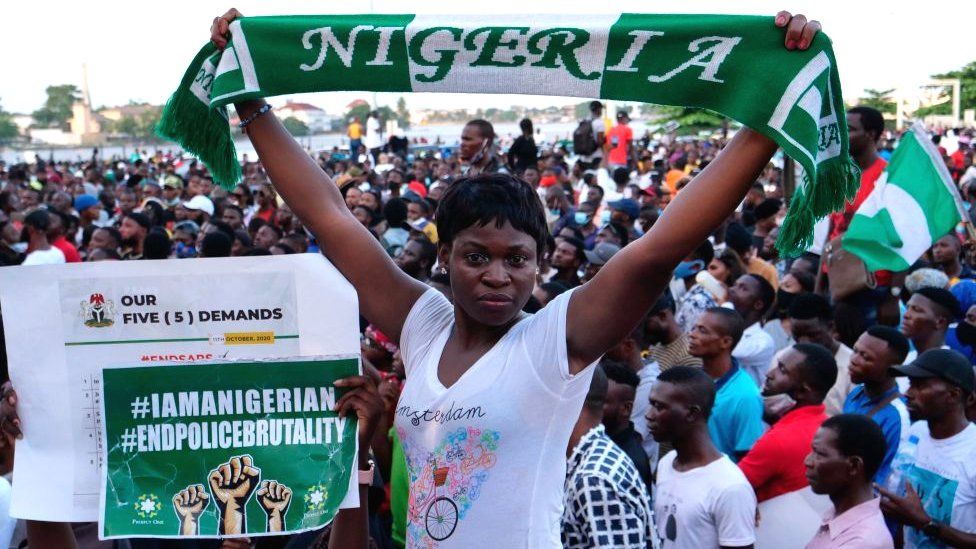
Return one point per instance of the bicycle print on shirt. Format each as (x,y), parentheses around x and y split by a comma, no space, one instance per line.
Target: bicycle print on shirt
(446,482)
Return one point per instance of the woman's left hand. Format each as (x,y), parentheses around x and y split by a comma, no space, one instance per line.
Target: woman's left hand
(364,400)
(799,31)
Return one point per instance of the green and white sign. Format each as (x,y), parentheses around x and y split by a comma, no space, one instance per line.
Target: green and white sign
(225,449)
(734,65)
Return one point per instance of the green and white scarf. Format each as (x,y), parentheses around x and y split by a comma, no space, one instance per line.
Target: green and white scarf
(734,65)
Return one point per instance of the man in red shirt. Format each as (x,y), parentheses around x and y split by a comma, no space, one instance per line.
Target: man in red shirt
(864,126)
(620,140)
(55,234)
(774,466)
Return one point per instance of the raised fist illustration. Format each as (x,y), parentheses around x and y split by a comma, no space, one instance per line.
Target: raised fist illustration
(232,484)
(189,504)
(274,499)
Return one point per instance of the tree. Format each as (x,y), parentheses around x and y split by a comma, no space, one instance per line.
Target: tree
(967,93)
(402,114)
(295,126)
(690,118)
(146,123)
(127,125)
(879,99)
(8,130)
(359,111)
(57,107)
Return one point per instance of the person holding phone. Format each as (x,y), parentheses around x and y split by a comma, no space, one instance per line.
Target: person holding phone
(477,150)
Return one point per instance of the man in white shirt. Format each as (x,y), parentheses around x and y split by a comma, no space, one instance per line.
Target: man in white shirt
(936,499)
(701,498)
(373,140)
(751,296)
(41,252)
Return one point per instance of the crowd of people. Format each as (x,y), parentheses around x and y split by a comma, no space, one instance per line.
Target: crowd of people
(503,276)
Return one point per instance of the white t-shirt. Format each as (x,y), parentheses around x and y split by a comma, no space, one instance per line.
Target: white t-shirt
(755,352)
(51,256)
(372,138)
(944,476)
(705,507)
(486,457)
(638,415)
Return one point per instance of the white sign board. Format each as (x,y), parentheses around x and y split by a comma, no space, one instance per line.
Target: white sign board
(64,323)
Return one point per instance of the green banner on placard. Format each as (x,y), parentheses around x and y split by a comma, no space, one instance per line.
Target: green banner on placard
(223,449)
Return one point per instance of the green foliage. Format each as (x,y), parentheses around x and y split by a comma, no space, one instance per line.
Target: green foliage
(582,110)
(8,130)
(360,112)
(967,93)
(690,118)
(402,114)
(57,107)
(126,125)
(295,126)
(879,99)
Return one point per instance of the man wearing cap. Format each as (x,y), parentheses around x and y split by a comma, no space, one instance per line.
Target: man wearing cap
(620,143)
(597,258)
(927,317)
(133,229)
(934,496)
(199,209)
(89,210)
(172,190)
(624,213)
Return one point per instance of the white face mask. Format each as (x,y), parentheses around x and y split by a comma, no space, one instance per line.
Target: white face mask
(19,247)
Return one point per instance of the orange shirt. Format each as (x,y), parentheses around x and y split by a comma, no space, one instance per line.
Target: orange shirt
(619,138)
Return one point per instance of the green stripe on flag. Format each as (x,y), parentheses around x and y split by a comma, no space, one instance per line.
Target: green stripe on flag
(913,204)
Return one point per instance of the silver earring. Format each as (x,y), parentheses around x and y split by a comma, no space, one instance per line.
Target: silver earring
(443,270)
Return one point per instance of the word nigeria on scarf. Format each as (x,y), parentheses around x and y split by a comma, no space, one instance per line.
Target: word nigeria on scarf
(734,65)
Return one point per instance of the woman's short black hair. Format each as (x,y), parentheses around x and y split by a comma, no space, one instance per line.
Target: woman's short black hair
(492,197)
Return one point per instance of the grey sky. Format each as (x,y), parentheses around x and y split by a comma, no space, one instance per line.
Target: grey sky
(138,50)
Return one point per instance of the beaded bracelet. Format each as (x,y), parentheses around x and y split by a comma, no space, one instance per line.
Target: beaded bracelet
(244,123)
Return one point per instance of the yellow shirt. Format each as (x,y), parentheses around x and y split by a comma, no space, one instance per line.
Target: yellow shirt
(764,269)
(355,130)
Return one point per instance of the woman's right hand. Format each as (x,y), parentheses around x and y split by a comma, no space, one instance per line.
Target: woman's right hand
(221,26)
(9,420)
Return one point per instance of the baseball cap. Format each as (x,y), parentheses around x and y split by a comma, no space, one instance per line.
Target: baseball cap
(84,201)
(601,253)
(946,364)
(200,203)
(189,227)
(173,182)
(627,205)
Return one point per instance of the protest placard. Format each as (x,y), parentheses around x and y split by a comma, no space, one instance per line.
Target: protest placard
(64,323)
(223,449)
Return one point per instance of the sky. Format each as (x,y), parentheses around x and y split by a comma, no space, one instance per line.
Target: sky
(138,50)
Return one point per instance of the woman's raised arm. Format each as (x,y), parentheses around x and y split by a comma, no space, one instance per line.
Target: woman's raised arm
(386,294)
(604,310)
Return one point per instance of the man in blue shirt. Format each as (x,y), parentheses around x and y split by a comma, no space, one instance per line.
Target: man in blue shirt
(876,394)
(736,420)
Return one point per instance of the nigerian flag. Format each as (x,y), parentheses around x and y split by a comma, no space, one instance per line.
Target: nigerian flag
(913,204)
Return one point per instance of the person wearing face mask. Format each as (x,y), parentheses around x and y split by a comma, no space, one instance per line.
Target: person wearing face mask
(477,150)
(559,209)
(962,335)
(583,220)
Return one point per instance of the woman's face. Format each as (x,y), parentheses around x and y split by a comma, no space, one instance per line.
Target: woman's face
(790,284)
(352,197)
(719,270)
(492,272)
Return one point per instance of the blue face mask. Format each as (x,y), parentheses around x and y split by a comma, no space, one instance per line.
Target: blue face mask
(581,218)
(604,217)
(183,251)
(688,268)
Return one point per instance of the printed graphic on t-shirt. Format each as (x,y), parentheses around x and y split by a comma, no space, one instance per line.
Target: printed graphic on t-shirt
(445,483)
(937,494)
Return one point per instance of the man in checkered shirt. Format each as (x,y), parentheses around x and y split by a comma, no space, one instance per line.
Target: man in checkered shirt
(606,503)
